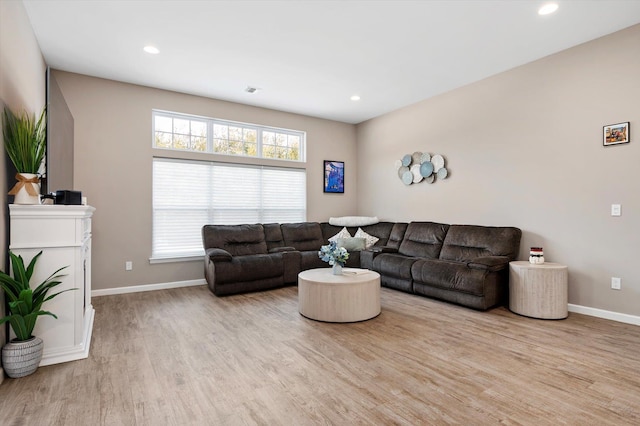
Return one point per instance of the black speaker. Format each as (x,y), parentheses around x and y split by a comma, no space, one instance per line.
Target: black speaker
(69,198)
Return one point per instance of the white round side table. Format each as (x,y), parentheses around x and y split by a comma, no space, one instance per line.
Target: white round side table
(539,291)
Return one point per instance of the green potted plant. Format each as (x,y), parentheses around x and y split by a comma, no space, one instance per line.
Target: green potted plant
(25,143)
(22,355)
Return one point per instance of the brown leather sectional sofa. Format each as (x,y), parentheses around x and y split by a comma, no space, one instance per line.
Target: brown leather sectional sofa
(462,264)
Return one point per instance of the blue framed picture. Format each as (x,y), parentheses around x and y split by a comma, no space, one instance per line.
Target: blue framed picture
(334,176)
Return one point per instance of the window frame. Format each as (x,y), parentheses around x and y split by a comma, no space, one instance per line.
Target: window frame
(211,122)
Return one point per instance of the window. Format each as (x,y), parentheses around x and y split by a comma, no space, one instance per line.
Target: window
(190,133)
(189,194)
(180,133)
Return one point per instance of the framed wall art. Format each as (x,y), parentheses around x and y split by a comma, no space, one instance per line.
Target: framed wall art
(615,134)
(334,176)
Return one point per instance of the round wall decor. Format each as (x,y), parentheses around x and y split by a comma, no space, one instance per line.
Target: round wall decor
(421,167)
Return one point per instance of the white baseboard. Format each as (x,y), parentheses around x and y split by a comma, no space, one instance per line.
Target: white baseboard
(601,313)
(147,287)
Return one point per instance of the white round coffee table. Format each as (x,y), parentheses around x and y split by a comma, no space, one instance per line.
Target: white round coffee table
(350,297)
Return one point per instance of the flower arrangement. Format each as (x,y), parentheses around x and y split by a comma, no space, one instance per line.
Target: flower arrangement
(333,254)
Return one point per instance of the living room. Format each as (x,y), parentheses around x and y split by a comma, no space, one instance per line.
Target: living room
(524,148)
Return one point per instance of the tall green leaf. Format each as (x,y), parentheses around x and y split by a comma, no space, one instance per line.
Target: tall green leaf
(24,140)
(18,271)
(24,303)
(32,265)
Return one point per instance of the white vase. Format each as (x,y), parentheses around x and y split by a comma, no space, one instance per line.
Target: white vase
(27,189)
(337,269)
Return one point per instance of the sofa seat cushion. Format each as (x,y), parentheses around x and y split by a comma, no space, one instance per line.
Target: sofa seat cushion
(423,239)
(249,268)
(449,275)
(304,236)
(394,265)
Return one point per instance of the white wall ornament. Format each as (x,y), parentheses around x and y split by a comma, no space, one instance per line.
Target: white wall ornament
(419,167)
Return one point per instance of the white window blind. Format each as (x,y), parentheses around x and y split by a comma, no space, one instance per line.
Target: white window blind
(190,194)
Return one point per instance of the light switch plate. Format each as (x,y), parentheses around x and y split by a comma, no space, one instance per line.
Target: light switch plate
(616,209)
(616,283)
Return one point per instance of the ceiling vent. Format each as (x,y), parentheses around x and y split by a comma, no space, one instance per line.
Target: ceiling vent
(250,89)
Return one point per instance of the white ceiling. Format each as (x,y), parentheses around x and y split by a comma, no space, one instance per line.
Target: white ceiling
(309,57)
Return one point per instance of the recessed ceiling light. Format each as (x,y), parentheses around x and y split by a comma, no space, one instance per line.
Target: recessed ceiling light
(151,49)
(548,9)
(355,98)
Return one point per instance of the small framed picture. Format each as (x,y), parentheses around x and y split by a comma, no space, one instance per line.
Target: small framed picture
(615,134)
(334,176)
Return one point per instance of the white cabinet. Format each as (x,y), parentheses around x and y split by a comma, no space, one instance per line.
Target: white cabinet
(63,233)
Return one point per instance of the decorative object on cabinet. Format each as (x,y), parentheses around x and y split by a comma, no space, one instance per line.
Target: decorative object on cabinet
(25,143)
(63,234)
(615,134)
(22,355)
(334,176)
(419,167)
(536,255)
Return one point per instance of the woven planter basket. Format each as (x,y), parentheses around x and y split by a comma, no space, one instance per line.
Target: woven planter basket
(21,358)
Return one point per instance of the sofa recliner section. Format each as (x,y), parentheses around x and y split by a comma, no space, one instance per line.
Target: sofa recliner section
(237,260)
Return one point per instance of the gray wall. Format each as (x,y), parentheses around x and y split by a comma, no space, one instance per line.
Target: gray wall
(113,156)
(525,149)
(22,87)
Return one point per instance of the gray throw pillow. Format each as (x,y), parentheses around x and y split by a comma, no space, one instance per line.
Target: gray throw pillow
(352,244)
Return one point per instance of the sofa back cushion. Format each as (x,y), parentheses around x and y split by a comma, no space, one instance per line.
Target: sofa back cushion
(466,242)
(423,239)
(273,235)
(303,236)
(239,240)
(397,234)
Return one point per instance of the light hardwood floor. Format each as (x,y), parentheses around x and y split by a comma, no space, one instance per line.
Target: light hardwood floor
(184,356)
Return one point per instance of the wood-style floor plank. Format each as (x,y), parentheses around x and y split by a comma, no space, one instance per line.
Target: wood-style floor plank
(186,357)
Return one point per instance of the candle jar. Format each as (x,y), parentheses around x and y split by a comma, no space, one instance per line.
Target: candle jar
(536,255)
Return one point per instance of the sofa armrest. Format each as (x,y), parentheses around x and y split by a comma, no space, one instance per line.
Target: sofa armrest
(218,254)
(281,249)
(489,263)
(367,256)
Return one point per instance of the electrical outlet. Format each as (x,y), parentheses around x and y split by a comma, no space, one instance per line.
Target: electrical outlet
(616,209)
(616,283)
(128,265)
